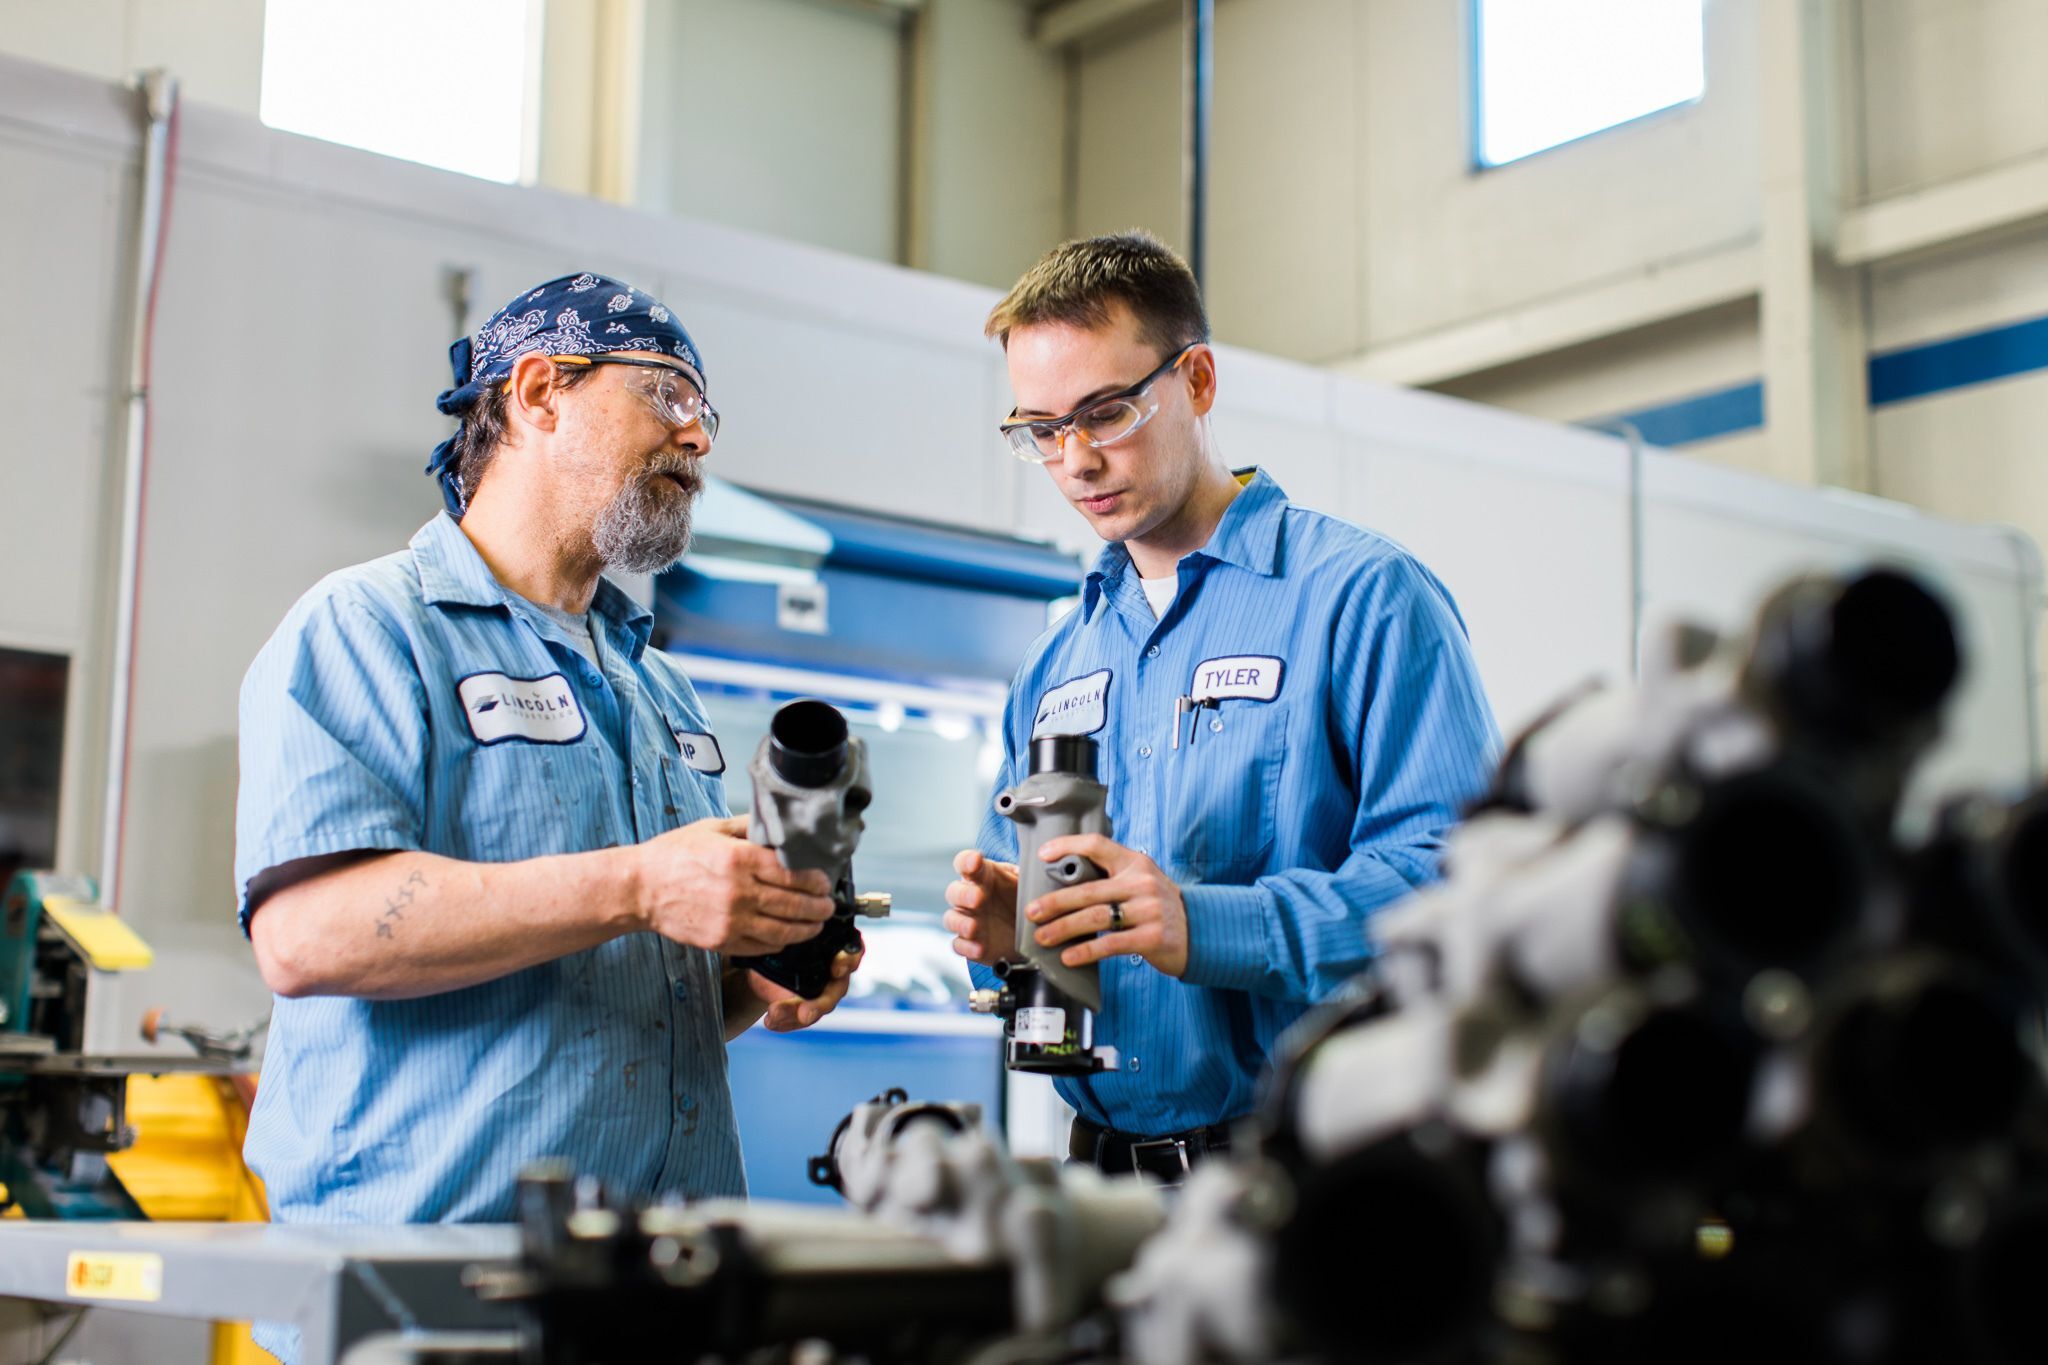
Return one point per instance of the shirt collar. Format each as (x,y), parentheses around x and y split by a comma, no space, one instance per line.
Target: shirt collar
(451,571)
(1247,536)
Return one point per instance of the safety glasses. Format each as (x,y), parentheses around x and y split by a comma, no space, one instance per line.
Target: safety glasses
(1099,422)
(667,389)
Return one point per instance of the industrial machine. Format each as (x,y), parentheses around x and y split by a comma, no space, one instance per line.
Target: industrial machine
(63,1110)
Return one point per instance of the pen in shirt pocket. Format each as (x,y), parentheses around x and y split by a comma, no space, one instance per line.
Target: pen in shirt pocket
(1193,708)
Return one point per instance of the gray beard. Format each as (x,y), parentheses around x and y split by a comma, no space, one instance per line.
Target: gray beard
(646,526)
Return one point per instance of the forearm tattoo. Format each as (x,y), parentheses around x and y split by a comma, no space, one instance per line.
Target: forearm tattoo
(398,902)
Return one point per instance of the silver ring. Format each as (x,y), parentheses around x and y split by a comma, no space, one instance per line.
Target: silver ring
(1116,917)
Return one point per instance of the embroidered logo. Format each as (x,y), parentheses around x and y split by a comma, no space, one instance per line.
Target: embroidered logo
(1255,677)
(1079,707)
(701,751)
(538,710)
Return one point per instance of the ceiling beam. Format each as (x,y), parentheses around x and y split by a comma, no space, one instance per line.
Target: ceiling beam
(2002,199)
(1659,294)
(1071,21)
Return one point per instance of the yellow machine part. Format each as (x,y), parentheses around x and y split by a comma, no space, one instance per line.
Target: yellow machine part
(105,938)
(186,1165)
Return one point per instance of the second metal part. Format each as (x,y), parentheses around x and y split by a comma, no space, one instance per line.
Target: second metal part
(1060,797)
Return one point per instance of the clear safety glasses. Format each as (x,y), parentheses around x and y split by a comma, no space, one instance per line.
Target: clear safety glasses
(666,389)
(1103,421)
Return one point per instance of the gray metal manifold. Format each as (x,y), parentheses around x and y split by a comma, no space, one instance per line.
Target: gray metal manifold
(810,789)
(1051,803)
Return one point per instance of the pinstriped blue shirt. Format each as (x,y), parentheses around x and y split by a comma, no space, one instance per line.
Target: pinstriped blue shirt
(1348,731)
(414,703)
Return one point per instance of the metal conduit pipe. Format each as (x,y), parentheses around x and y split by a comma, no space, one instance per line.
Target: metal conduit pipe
(1198,81)
(1632,473)
(159,90)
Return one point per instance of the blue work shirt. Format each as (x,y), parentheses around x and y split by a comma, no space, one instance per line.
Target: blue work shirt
(1349,733)
(414,703)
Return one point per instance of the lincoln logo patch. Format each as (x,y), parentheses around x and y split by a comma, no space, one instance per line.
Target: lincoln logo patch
(537,710)
(1252,676)
(1080,707)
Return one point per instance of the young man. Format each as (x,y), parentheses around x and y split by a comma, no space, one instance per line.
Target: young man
(1288,716)
(482,851)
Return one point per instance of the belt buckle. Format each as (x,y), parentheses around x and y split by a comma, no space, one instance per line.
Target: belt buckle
(1177,1145)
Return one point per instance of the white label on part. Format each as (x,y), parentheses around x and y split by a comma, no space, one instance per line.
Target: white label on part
(538,710)
(1040,1025)
(700,751)
(1256,676)
(1079,707)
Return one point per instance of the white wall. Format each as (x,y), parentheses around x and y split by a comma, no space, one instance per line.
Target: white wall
(782,116)
(989,181)
(1948,86)
(214,46)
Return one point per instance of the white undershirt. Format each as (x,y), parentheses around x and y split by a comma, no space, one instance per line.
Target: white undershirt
(1159,591)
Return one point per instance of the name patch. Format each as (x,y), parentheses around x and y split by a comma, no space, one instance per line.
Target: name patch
(701,751)
(1253,676)
(1080,707)
(537,710)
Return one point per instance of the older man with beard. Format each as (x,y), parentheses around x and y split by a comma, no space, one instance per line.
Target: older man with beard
(482,847)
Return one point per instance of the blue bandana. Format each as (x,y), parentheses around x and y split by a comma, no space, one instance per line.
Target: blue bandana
(575,315)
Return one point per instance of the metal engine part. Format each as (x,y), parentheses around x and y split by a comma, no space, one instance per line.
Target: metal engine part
(1048,1007)
(811,786)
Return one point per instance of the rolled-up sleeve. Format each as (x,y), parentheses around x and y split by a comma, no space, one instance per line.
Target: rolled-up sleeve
(333,741)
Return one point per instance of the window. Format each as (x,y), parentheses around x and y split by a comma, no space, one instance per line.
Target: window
(446,83)
(1549,71)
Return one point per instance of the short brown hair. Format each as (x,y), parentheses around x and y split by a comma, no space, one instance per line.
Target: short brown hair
(1078,282)
(483,428)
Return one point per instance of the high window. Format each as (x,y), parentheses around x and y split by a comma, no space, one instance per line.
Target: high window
(447,83)
(1549,71)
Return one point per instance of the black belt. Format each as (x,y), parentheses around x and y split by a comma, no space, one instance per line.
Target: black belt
(1169,1157)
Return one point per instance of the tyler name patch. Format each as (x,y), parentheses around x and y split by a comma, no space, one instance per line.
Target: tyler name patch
(701,751)
(1255,676)
(538,710)
(1080,707)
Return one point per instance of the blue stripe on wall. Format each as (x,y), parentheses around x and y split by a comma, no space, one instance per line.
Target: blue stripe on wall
(1894,377)
(1978,358)
(1701,418)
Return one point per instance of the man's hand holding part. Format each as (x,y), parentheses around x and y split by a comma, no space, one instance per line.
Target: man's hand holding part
(705,885)
(1134,907)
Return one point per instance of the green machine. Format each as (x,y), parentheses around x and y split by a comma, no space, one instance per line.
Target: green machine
(62,1110)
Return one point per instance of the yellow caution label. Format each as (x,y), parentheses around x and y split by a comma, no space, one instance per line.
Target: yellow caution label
(130,1276)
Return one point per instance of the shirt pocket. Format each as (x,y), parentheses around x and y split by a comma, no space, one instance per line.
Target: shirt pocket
(1225,791)
(524,801)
